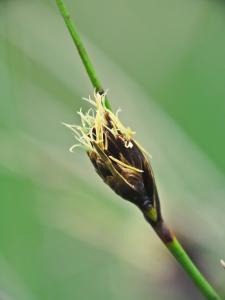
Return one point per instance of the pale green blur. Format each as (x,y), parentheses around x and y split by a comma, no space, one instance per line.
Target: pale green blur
(63,233)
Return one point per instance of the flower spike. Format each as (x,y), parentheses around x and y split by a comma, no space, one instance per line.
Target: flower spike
(118,159)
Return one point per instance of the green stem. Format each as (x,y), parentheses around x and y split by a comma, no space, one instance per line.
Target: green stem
(184,260)
(163,232)
(181,256)
(81,49)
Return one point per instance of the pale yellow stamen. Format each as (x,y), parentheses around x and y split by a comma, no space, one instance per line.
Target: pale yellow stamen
(95,118)
(74,146)
(128,144)
(106,143)
(125,165)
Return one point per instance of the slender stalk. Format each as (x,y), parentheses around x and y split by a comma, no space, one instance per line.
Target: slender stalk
(181,256)
(175,248)
(160,228)
(81,49)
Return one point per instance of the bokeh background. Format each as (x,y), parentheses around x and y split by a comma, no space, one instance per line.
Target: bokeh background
(64,234)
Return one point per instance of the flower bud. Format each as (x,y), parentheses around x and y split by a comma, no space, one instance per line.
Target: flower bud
(118,159)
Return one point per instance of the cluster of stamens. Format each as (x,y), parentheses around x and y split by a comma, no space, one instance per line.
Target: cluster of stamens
(96,122)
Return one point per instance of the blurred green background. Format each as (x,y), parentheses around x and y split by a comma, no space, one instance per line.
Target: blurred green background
(64,234)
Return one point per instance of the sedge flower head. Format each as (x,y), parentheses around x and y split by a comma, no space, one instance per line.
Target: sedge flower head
(118,159)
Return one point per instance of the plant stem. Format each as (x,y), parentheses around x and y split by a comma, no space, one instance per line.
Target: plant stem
(175,248)
(81,49)
(160,228)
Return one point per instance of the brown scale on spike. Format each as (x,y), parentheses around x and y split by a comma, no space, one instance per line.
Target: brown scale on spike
(118,159)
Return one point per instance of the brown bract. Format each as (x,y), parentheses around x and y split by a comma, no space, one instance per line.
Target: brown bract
(118,159)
